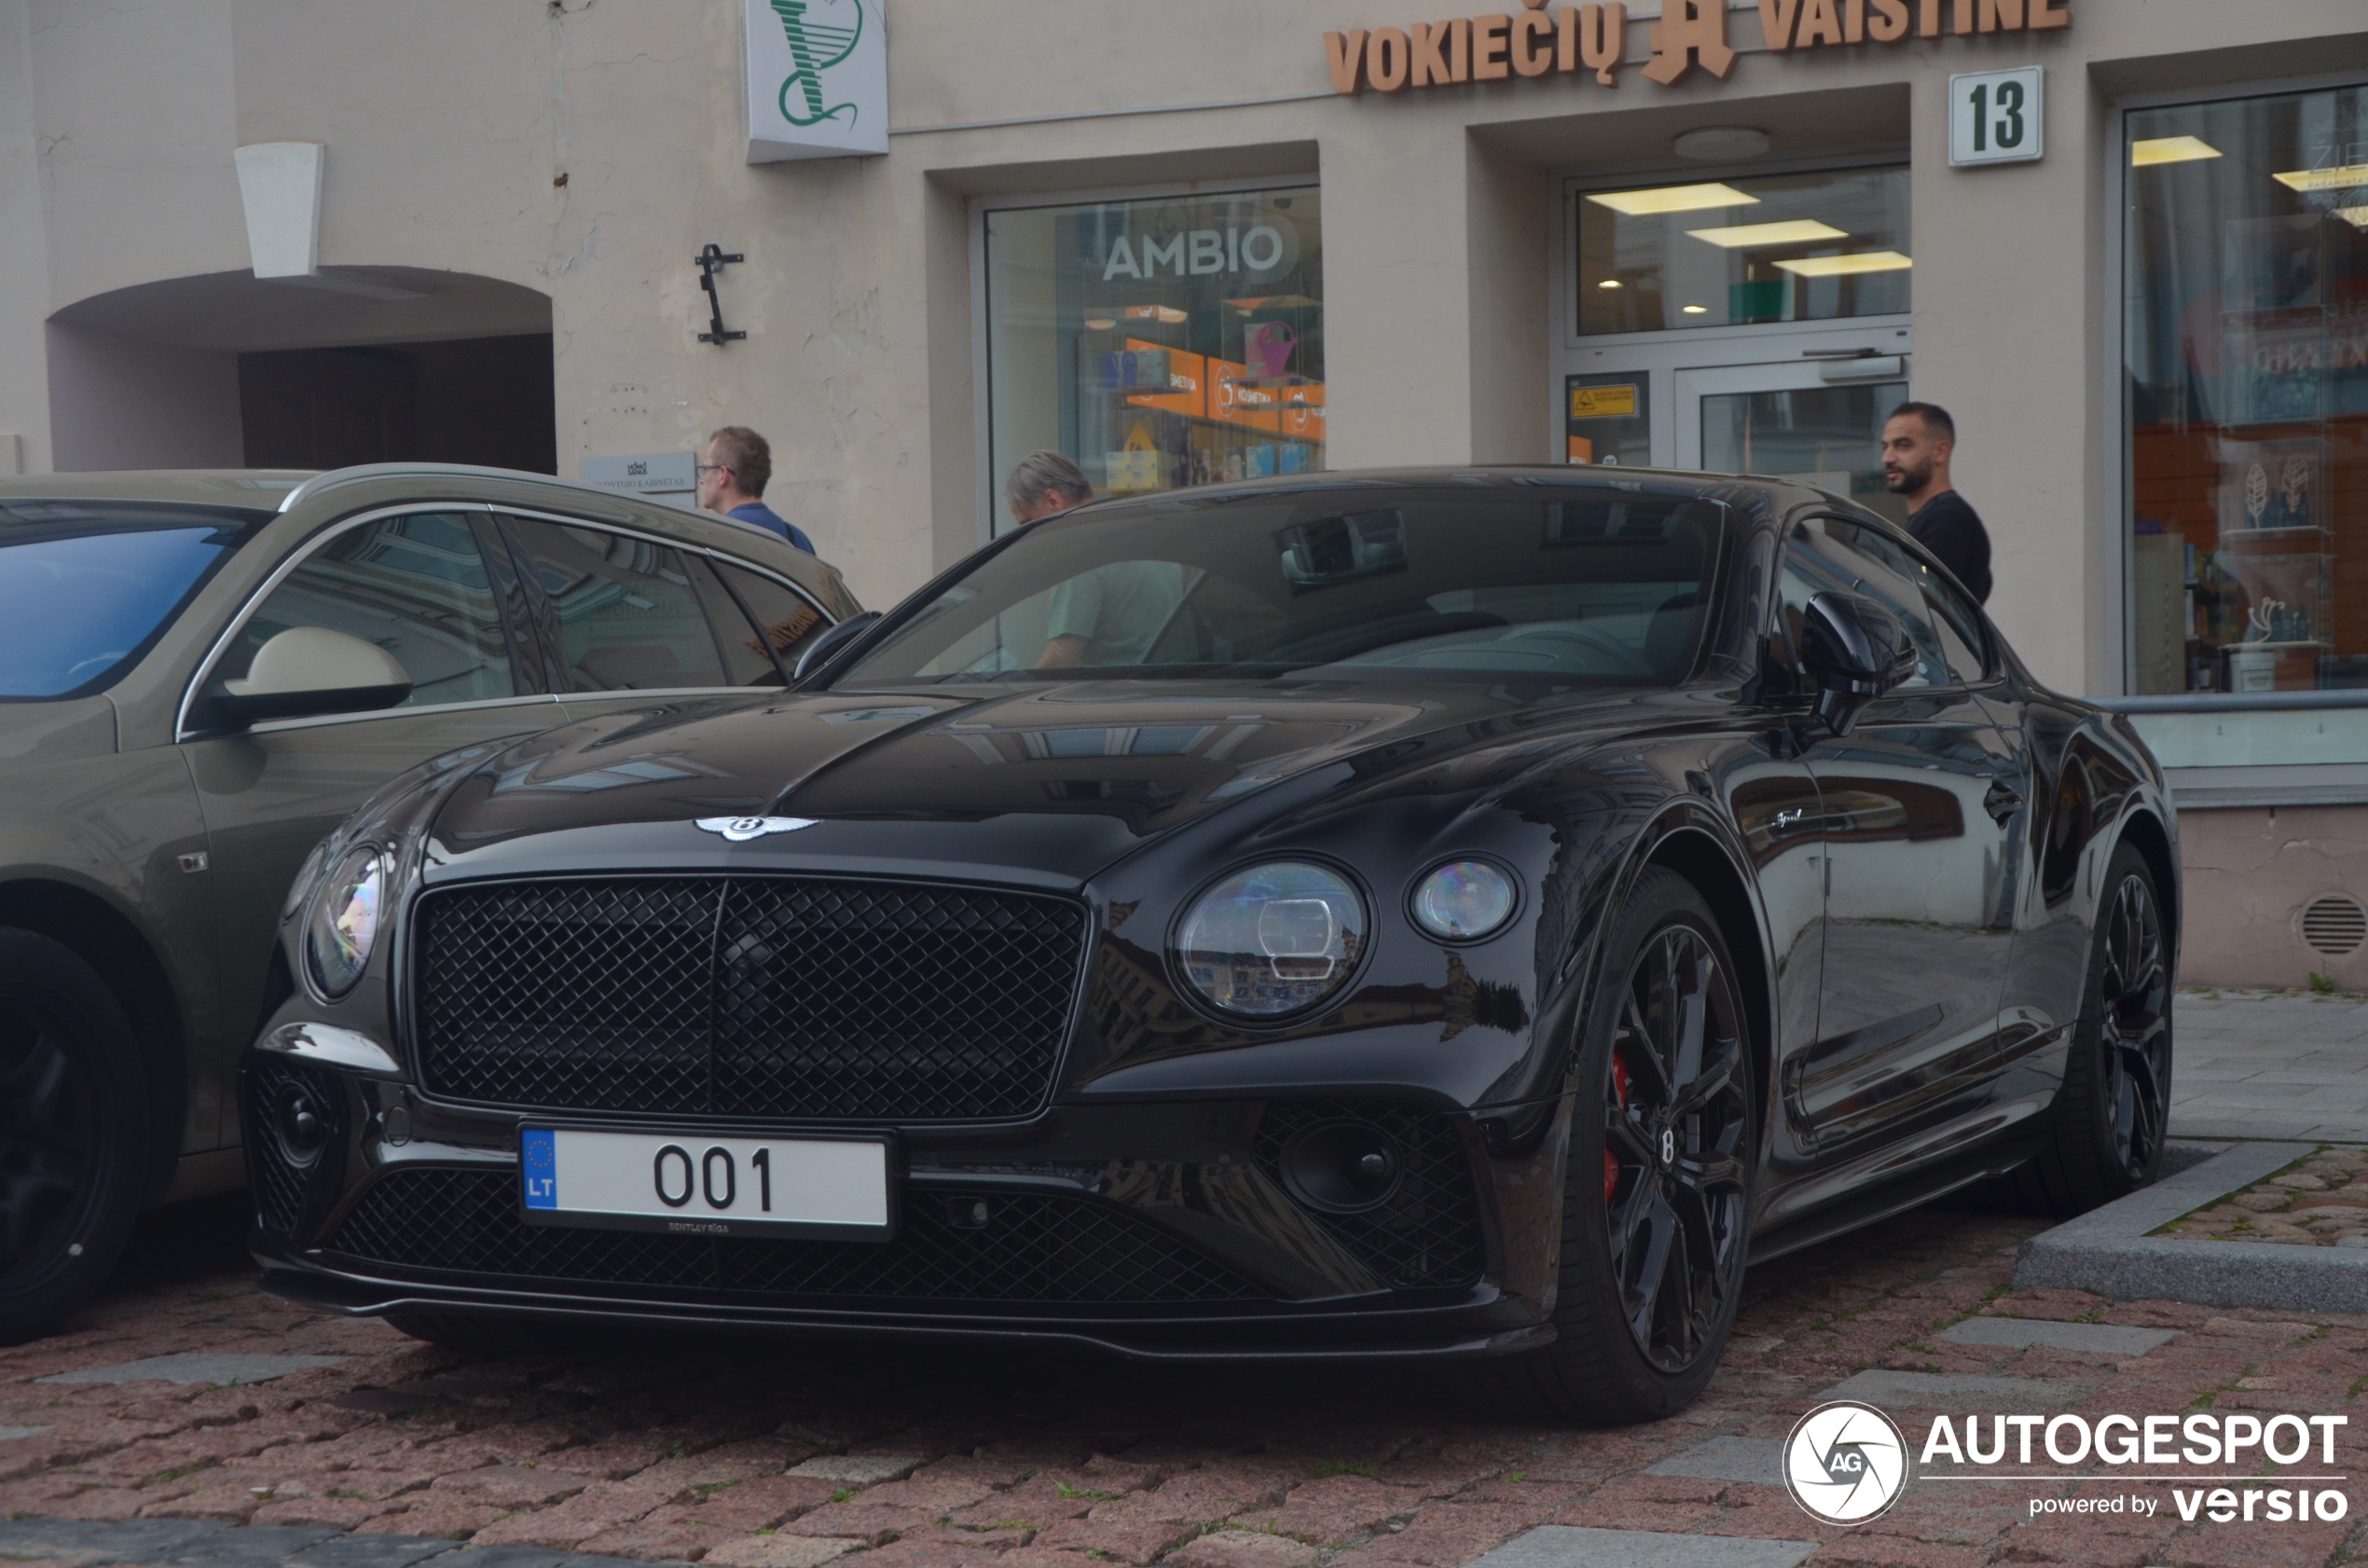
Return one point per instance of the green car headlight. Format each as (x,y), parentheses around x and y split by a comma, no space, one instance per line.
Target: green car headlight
(346,919)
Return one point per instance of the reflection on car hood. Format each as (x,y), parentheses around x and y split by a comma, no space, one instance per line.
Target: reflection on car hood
(1068,776)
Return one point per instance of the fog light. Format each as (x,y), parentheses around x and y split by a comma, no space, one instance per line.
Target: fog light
(1463,901)
(303,1131)
(1342,1167)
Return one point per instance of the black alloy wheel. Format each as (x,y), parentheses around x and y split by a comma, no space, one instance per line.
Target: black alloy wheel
(1674,1125)
(1656,1203)
(72,1124)
(2114,1108)
(2134,1007)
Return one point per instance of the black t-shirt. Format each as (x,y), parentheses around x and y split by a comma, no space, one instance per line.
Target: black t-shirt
(1952,532)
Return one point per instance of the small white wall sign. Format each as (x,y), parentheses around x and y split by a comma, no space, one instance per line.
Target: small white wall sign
(817,78)
(1997,117)
(280,186)
(646,473)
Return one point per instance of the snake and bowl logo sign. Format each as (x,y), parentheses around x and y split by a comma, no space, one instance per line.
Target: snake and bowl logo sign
(1845,1463)
(817,78)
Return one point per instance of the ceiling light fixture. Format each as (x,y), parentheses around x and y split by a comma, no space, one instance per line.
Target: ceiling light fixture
(1698,310)
(1608,284)
(1847,265)
(1788,231)
(2308,180)
(2170,149)
(1671,199)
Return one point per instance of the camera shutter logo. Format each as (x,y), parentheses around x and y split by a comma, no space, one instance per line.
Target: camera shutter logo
(1845,1463)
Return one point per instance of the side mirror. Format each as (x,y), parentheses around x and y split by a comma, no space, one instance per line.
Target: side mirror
(825,648)
(308,670)
(1857,651)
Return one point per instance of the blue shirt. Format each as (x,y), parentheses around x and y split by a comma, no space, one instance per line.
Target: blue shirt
(765,517)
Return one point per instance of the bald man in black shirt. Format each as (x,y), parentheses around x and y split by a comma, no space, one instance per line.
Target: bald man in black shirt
(1917,439)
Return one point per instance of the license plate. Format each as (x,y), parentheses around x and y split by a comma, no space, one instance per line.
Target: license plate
(706,1186)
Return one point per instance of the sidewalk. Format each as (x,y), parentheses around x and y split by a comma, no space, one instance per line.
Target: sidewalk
(2270,1065)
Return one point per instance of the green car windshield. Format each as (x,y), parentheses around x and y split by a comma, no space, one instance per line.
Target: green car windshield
(1594,588)
(85,586)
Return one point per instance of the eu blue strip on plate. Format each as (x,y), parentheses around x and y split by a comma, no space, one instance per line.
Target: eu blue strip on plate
(539,1162)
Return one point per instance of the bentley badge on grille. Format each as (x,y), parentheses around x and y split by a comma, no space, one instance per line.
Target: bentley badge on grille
(739,830)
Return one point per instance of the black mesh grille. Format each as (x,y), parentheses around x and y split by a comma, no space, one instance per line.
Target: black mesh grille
(280,1181)
(1427,1232)
(1034,1248)
(745,997)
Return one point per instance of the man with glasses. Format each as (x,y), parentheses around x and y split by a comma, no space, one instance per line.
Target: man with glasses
(732,480)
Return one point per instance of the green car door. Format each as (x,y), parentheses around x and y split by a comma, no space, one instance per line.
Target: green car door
(434,587)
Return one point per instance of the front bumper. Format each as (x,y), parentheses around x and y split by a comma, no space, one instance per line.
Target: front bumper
(1164,1231)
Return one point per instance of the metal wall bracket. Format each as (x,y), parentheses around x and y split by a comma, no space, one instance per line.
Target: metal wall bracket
(712,260)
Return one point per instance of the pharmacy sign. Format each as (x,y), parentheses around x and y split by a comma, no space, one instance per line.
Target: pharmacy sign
(817,78)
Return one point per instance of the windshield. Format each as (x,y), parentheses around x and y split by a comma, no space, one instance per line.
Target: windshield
(1598,587)
(85,586)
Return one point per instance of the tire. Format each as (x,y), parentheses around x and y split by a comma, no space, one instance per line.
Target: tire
(2106,1128)
(74,1134)
(1636,1339)
(473,1335)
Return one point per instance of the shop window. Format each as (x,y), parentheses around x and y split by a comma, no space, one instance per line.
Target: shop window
(2247,394)
(1811,247)
(1163,343)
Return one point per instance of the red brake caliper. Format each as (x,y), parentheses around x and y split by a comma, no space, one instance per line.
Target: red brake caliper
(1611,1166)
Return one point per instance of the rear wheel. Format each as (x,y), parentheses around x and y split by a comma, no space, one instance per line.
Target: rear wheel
(1657,1201)
(2113,1111)
(74,1124)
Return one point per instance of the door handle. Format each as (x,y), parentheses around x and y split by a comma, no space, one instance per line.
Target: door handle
(2001,803)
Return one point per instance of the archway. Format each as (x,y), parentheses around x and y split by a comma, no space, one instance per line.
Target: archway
(358,365)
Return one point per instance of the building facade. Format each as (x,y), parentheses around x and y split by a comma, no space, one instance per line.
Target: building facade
(2126,243)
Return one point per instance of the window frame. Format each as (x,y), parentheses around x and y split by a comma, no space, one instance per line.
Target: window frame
(478,513)
(553,658)
(981,381)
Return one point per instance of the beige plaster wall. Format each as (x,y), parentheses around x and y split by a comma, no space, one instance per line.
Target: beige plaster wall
(2249,875)
(449,122)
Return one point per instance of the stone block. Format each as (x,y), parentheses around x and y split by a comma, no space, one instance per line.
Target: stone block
(859,1469)
(1563,1547)
(2022,1333)
(197,1366)
(1243,1548)
(777,1551)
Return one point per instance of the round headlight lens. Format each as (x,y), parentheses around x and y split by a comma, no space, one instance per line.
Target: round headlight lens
(306,876)
(1274,939)
(1463,899)
(345,921)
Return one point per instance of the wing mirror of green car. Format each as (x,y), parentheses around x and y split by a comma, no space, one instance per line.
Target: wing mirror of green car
(1857,651)
(308,670)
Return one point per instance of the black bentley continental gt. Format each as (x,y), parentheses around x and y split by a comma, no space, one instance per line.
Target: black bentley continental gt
(1461,914)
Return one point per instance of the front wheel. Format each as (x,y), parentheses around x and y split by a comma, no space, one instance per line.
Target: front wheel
(2112,1113)
(74,1122)
(1657,1201)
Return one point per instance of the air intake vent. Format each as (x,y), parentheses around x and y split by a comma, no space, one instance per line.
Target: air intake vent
(2334,926)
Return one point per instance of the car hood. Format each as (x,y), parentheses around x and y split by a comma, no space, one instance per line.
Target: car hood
(1046,783)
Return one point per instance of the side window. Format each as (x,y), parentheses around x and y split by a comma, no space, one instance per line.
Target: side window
(626,617)
(1953,621)
(1822,558)
(788,619)
(417,587)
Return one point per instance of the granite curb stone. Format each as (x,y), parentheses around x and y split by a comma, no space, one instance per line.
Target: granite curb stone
(2110,1250)
(206,1544)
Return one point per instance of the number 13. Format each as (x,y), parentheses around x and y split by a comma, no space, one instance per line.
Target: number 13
(2010,116)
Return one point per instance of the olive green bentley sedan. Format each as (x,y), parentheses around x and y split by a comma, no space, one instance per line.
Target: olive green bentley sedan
(200,674)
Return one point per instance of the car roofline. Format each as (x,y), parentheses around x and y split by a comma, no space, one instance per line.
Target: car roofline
(320,484)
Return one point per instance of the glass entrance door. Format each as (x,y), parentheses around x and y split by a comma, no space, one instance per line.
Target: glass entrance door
(1817,423)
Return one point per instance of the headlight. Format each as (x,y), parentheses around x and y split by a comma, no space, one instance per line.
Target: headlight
(306,876)
(1273,940)
(1464,900)
(344,924)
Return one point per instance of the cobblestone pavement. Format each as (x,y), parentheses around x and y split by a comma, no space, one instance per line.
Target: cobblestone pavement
(2322,1202)
(752,1453)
